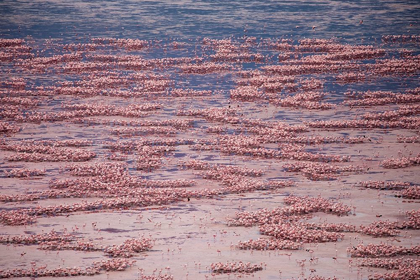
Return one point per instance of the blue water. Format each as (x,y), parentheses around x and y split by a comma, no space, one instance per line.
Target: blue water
(216,19)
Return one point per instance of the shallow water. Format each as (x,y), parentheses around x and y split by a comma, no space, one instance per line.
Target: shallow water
(192,233)
(216,19)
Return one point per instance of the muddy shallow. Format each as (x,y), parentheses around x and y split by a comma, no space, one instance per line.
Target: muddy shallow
(191,233)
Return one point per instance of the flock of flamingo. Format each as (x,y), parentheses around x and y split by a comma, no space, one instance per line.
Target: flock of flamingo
(108,125)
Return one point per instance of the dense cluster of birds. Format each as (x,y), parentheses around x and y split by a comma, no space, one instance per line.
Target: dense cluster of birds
(139,105)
